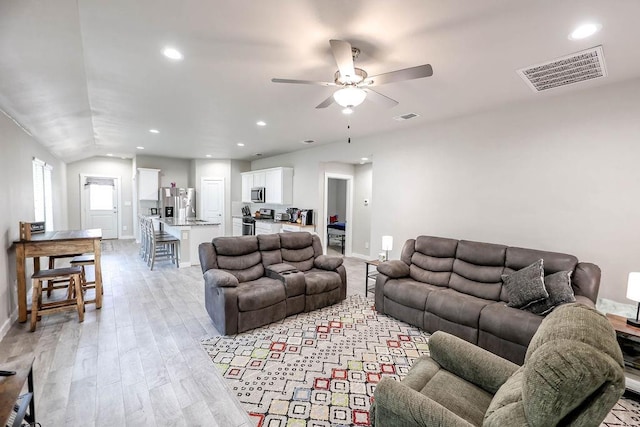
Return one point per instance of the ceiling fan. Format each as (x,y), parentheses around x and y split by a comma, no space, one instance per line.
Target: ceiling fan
(354,83)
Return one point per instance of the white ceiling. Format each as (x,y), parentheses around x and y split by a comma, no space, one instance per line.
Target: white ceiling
(87,77)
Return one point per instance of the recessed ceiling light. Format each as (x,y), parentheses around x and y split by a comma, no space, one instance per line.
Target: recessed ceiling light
(585,30)
(140,148)
(208,155)
(240,144)
(364,159)
(261,123)
(154,131)
(110,154)
(172,53)
(347,110)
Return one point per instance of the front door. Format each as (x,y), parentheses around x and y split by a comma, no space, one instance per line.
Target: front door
(100,201)
(212,192)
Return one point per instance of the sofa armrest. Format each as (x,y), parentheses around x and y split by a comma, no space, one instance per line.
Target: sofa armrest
(398,405)
(470,362)
(326,262)
(394,269)
(586,280)
(220,279)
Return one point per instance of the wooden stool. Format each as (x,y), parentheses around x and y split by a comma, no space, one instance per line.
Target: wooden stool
(81,261)
(56,284)
(38,308)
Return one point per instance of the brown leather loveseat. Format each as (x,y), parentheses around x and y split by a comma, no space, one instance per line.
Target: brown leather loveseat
(251,281)
(456,286)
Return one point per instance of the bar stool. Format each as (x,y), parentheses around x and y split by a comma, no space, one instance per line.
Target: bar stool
(56,284)
(82,261)
(38,308)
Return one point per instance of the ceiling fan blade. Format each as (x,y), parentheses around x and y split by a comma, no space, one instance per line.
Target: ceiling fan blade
(379,98)
(326,102)
(303,82)
(407,74)
(344,57)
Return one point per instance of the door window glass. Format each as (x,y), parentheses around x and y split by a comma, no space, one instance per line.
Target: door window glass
(100,197)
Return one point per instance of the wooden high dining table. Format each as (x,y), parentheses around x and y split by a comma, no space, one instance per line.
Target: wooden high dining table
(55,243)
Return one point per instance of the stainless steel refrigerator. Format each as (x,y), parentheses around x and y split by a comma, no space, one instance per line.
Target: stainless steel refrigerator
(178,202)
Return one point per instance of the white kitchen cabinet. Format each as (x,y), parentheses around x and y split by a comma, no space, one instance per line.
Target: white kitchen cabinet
(259,179)
(237,226)
(278,184)
(267,227)
(293,227)
(148,184)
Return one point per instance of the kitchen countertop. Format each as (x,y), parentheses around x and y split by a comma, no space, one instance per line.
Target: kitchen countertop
(188,222)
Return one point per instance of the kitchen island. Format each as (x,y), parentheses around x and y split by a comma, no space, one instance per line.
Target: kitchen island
(191,233)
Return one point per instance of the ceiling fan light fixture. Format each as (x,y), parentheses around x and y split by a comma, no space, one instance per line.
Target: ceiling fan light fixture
(349,96)
(347,110)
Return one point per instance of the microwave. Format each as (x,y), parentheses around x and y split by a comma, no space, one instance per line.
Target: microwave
(257,195)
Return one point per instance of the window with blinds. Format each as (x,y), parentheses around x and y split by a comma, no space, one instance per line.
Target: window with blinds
(43,193)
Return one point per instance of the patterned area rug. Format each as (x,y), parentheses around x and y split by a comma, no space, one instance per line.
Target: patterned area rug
(320,369)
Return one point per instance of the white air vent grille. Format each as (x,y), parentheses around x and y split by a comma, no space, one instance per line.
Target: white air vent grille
(406,116)
(577,67)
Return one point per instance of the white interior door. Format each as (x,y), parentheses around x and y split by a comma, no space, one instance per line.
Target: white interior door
(212,200)
(100,202)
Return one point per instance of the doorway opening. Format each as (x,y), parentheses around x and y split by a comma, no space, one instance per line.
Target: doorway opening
(338,212)
(99,204)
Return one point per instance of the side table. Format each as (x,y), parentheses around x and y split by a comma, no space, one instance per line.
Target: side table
(629,340)
(370,275)
(13,406)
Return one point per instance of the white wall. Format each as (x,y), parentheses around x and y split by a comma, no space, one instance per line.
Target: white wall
(362,189)
(171,170)
(106,166)
(18,150)
(558,173)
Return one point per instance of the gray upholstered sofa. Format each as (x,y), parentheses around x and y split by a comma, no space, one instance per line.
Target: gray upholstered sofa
(251,281)
(573,374)
(455,286)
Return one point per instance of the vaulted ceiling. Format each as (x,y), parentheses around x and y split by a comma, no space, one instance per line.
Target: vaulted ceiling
(87,77)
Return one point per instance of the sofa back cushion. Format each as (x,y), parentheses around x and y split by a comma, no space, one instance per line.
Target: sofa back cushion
(297,250)
(432,260)
(239,256)
(518,258)
(478,268)
(269,245)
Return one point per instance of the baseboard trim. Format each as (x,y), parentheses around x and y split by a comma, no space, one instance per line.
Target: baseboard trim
(8,323)
(361,256)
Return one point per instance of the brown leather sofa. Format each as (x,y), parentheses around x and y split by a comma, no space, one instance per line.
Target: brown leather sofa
(455,286)
(251,281)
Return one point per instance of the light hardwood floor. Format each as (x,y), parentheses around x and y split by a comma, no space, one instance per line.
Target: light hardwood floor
(137,361)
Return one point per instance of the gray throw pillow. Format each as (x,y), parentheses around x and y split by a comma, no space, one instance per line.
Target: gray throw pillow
(525,286)
(560,292)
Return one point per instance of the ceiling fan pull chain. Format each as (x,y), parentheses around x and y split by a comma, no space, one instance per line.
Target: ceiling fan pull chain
(349,132)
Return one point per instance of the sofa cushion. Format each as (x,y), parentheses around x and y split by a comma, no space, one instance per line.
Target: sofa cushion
(234,246)
(260,293)
(506,408)
(456,307)
(325,262)
(394,269)
(477,269)
(526,286)
(320,281)
(432,260)
(409,292)
(269,245)
(296,240)
(510,324)
(558,286)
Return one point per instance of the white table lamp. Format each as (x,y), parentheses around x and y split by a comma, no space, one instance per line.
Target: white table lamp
(387,245)
(633,293)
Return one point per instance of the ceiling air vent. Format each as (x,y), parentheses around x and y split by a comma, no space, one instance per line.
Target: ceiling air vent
(406,116)
(577,67)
